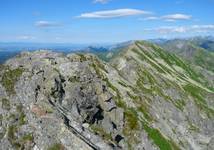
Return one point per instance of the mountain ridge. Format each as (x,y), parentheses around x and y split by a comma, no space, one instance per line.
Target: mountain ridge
(144,98)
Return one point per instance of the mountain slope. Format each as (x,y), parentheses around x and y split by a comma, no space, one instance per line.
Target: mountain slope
(163,80)
(201,59)
(145,98)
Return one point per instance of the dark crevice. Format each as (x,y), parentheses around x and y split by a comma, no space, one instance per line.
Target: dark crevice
(98,116)
(89,107)
(108,100)
(41,71)
(114,125)
(112,109)
(37,92)
(118,138)
(58,92)
(66,120)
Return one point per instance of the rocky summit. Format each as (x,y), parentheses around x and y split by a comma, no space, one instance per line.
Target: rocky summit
(144,98)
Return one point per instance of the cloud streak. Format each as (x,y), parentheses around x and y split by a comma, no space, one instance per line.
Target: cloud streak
(46,24)
(170,17)
(101,1)
(114,13)
(174,17)
(183,29)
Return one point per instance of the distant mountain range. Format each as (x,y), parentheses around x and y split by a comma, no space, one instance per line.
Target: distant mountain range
(109,51)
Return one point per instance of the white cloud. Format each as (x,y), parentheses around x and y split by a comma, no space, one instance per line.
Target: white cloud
(171,17)
(25,37)
(174,17)
(101,1)
(202,28)
(151,18)
(45,24)
(183,29)
(114,13)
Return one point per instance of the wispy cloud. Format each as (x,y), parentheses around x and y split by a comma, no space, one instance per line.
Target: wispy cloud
(174,17)
(46,24)
(183,29)
(114,13)
(170,17)
(150,18)
(101,1)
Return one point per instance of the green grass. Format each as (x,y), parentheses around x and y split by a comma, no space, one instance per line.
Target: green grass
(27,137)
(22,119)
(11,133)
(195,92)
(143,109)
(5,104)
(159,139)
(9,79)
(97,70)
(180,104)
(22,116)
(123,84)
(142,57)
(56,146)
(131,120)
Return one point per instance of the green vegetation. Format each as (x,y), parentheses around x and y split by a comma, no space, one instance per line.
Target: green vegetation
(100,65)
(131,121)
(120,103)
(99,130)
(82,57)
(22,120)
(17,119)
(198,95)
(5,104)
(11,136)
(203,58)
(193,128)
(21,115)
(97,70)
(143,57)
(56,146)
(159,139)
(2,133)
(11,132)
(122,83)
(195,92)
(27,137)
(118,99)
(133,97)
(9,79)
(180,104)
(145,112)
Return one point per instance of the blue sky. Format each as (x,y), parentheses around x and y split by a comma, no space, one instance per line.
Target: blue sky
(103,21)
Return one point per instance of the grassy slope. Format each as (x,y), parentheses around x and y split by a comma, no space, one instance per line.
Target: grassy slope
(174,72)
